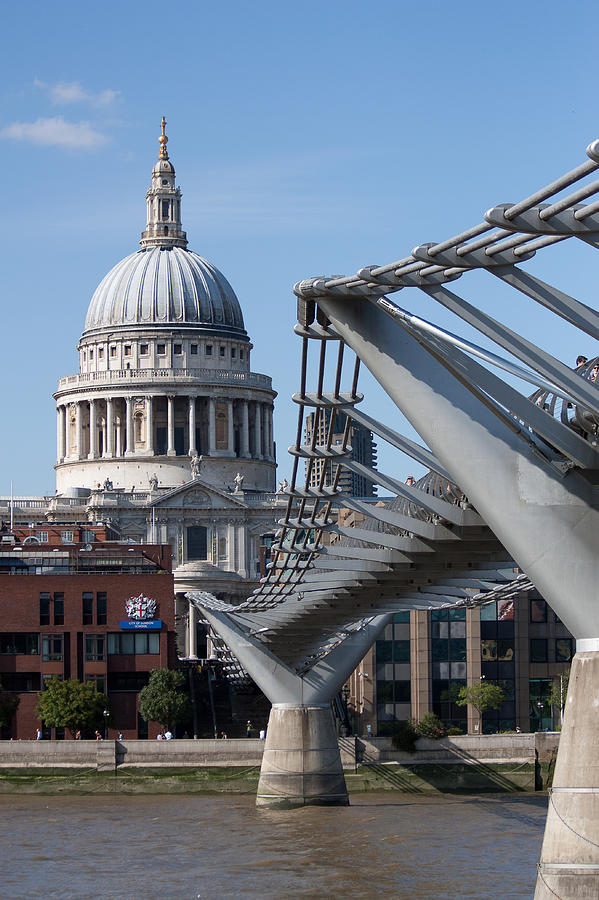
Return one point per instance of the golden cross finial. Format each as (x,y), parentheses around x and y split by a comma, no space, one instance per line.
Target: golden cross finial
(163,141)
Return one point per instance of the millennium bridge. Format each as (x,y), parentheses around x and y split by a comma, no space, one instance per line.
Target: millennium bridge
(509,438)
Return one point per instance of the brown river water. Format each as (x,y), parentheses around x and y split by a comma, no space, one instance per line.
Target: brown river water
(190,847)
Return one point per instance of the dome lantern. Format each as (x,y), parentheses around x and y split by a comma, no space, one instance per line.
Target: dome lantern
(163,199)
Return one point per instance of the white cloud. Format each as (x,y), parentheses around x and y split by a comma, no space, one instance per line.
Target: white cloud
(65,92)
(55,132)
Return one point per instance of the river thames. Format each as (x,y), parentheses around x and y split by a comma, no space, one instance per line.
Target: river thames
(188,847)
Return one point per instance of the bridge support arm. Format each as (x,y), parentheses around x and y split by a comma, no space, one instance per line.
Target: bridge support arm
(301,765)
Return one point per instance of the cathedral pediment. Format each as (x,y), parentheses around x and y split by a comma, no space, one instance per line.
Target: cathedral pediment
(196,494)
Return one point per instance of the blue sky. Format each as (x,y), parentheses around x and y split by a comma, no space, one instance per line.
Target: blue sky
(308,138)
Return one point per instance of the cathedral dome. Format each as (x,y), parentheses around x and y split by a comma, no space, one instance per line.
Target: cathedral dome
(165,286)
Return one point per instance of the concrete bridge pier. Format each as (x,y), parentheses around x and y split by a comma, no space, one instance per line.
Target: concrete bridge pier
(301,764)
(569,865)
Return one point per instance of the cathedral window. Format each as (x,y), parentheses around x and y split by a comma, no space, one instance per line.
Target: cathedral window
(221,351)
(91,354)
(165,209)
(178,349)
(100,353)
(113,350)
(143,349)
(161,349)
(197,542)
(193,349)
(127,349)
(208,349)
(241,354)
(233,352)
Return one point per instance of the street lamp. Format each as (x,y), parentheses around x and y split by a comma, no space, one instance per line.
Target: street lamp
(345,692)
(540,707)
(106,714)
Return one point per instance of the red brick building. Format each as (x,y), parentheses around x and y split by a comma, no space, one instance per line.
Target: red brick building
(63,613)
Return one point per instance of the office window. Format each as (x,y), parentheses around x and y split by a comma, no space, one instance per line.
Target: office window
(87,536)
(19,644)
(66,537)
(127,681)
(95,648)
(538,650)
(101,607)
(59,609)
(42,536)
(52,647)
(99,681)
(538,611)
(44,609)
(142,643)
(87,601)
(21,682)
(401,651)
(564,649)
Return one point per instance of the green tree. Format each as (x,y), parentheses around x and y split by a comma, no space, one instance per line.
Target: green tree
(73,704)
(429,726)
(559,692)
(162,699)
(8,706)
(482,695)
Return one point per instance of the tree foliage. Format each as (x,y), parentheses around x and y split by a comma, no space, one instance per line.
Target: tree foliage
(559,691)
(430,726)
(482,695)
(8,706)
(162,700)
(73,704)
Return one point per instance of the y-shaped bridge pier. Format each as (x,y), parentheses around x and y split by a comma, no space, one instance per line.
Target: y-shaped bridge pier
(527,469)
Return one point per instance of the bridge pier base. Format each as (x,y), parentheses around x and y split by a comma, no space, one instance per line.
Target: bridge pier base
(301,764)
(569,865)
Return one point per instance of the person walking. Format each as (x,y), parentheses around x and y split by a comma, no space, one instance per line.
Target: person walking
(248,729)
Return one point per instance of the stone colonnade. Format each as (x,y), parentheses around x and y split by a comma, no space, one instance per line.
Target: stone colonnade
(164,425)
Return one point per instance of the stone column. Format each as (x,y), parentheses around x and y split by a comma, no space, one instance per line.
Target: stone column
(301,765)
(258,431)
(93,436)
(61,432)
(129,435)
(79,429)
(109,437)
(268,430)
(211,425)
(230,428)
(192,632)
(245,429)
(569,865)
(192,425)
(170,449)
(118,448)
(149,427)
